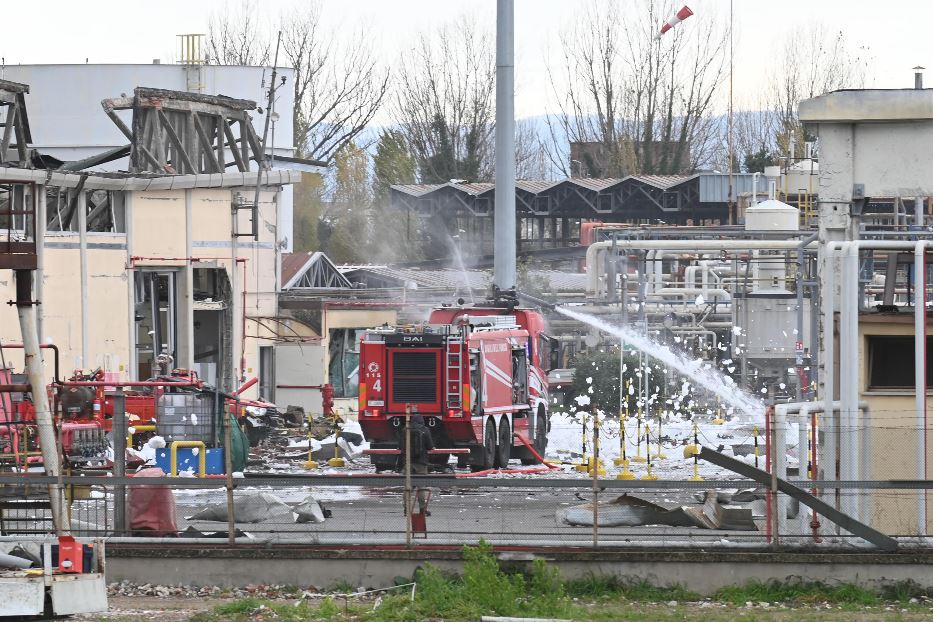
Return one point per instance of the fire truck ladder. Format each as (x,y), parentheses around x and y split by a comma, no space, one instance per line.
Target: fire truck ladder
(454,373)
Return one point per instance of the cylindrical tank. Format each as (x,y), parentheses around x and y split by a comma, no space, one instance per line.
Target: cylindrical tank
(769,268)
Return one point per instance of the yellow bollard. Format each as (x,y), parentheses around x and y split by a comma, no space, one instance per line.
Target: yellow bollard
(623,460)
(659,455)
(584,465)
(310,463)
(336,461)
(595,462)
(638,457)
(694,450)
(649,475)
(718,420)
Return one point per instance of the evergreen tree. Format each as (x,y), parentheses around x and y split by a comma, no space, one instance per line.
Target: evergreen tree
(392,164)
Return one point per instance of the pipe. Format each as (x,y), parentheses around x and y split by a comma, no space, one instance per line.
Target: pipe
(920,380)
(829,354)
(129,383)
(802,462)
(188,360)
(82,267)
(44,346)
(779,450)
(41,225)
(133,363)
(755,187)
(708,294)
(246,385)
(504,234)
(849,373)
(33,363)
(696,246)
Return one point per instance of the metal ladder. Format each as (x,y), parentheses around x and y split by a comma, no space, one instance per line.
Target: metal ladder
(454,373)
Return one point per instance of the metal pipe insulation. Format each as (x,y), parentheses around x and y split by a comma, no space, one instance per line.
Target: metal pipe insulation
(920,377)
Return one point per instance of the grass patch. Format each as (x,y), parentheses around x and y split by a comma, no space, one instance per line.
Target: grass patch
(797,593)
(903,591)
(485,588)
(244,605)
(596,586)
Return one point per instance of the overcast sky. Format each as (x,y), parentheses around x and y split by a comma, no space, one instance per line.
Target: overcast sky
(130,31)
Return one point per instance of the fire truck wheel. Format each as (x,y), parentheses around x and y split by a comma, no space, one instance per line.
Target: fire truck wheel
(541,431)
(504,450)
(540,438)
(489,445)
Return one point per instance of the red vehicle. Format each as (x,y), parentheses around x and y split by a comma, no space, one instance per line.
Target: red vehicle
(85,414)
(474,373)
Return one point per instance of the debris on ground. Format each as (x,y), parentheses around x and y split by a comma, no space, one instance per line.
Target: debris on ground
(631,511)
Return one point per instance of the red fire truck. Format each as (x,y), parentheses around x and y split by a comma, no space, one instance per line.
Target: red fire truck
(475,374)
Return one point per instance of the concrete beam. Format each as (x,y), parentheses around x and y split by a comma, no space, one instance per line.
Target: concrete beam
(868,105)
(704,573)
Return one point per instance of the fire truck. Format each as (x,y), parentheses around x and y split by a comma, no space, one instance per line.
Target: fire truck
(476,375)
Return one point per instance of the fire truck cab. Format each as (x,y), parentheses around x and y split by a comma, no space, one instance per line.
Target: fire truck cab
(476,376)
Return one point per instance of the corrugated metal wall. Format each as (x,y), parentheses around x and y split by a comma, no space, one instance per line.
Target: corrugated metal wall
(714,187)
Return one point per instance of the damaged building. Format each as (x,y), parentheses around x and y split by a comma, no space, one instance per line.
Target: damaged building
(172,262)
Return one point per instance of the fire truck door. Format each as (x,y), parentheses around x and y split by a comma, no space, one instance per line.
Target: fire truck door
(519,376)
(476,387)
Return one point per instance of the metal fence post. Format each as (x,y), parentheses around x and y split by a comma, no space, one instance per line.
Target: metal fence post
(228,467)
(595,466)
(119,430)
(408,476)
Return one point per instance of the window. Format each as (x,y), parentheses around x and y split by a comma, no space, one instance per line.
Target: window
(345,361)
(891,362)
(105,210)
(155,320)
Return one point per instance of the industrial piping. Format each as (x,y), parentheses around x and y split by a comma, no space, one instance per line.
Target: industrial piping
(849,368)
(593,265)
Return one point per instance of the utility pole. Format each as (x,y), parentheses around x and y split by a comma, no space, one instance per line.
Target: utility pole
(504,251)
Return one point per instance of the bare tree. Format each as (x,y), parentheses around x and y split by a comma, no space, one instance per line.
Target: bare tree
(236,37)
(815,60)
(531,155)
(445,105)
(339,84)
(643,104)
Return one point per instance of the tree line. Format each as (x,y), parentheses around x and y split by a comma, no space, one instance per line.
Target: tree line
(632,102)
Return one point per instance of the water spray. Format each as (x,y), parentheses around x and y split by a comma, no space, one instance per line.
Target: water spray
(703,374)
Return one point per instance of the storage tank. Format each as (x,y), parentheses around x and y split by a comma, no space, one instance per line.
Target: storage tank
(185,417)
(770,267)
